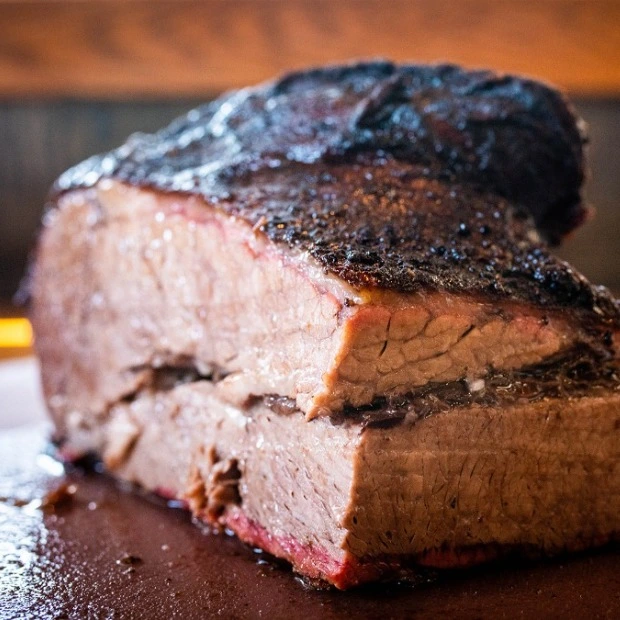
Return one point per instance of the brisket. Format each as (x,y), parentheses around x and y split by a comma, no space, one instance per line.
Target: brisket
(325,312)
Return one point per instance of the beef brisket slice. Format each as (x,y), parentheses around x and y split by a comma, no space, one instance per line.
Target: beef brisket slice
(337,236)
(348,504)
(324,311)
(129,280)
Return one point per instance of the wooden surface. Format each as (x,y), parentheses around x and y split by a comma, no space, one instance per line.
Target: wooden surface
(128,48)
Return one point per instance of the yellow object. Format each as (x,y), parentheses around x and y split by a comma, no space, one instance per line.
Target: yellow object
(15,333)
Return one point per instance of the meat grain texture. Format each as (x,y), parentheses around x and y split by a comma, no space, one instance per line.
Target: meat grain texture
(324,311)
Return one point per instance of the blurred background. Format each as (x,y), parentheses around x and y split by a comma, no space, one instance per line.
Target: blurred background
(77,77)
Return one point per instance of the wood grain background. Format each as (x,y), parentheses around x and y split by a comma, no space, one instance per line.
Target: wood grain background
(169,48)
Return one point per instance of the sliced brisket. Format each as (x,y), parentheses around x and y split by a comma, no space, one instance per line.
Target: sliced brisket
(325,312)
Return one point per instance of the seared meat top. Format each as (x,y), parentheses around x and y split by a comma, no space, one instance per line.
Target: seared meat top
(396,177)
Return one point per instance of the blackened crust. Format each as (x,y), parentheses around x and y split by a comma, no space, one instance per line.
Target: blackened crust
(397,177)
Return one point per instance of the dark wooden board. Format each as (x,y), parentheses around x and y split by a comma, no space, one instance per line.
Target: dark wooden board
(109,553)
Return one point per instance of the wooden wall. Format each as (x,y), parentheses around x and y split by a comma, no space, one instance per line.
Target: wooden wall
(120,48)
